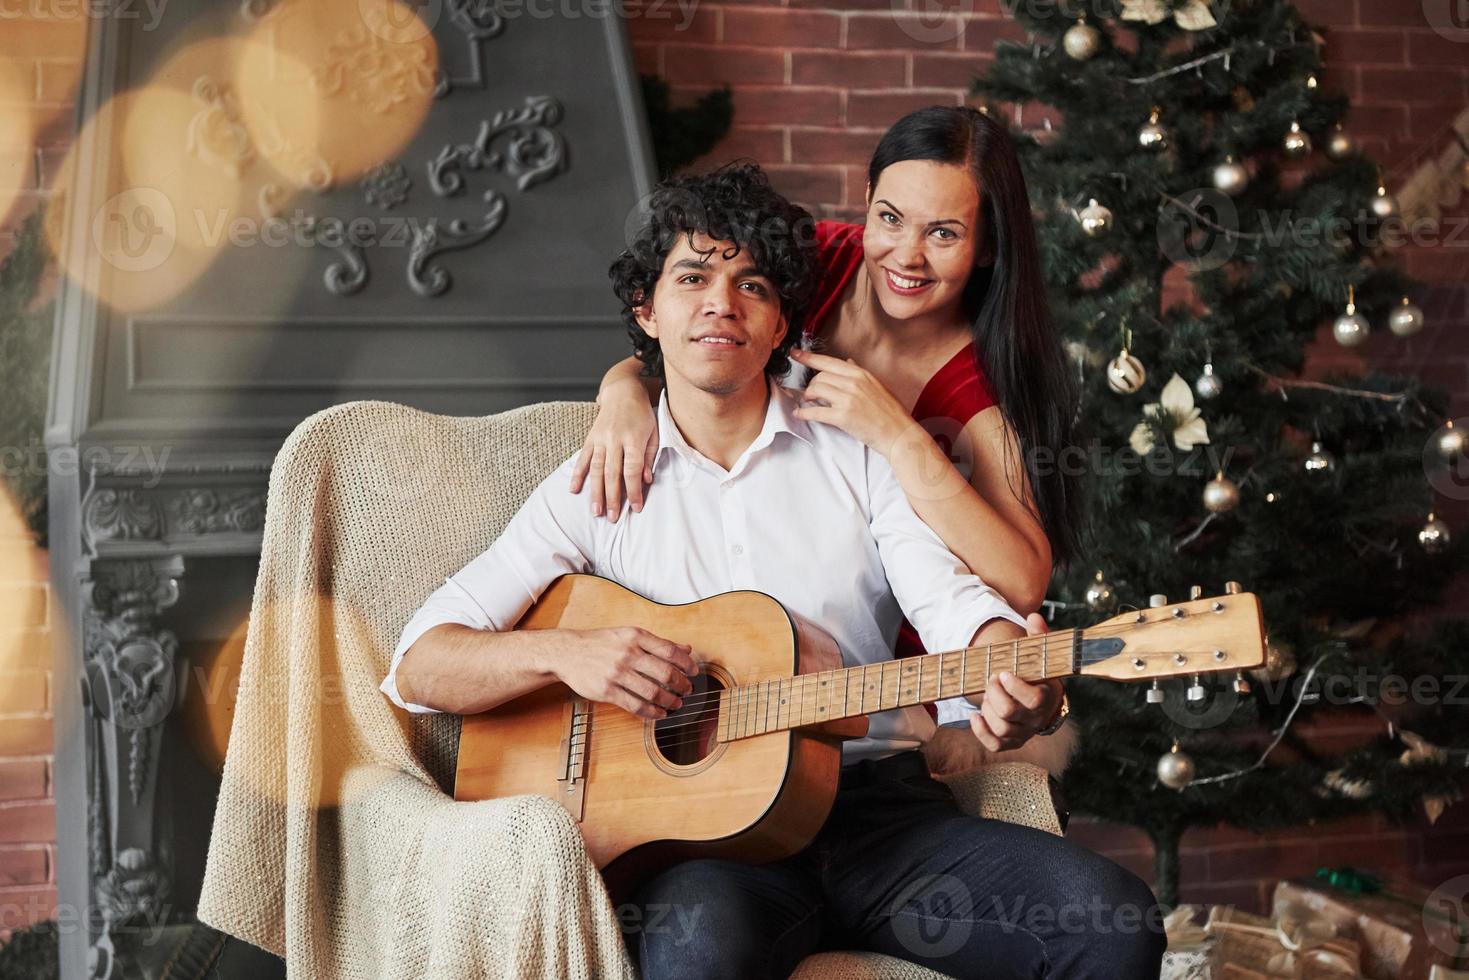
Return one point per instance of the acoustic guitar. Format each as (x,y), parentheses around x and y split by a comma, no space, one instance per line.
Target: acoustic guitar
(747,767)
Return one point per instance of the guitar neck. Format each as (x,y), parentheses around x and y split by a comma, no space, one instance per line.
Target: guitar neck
(784,703)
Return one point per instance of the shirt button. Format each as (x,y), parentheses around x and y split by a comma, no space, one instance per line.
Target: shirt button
(737,550)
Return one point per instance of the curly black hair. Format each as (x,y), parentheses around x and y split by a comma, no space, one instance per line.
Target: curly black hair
(732,204)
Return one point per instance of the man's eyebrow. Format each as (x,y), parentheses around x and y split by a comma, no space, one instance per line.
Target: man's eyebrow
(745,273)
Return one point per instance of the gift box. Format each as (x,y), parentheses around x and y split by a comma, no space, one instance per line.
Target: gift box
(1252,947)
(1401,938)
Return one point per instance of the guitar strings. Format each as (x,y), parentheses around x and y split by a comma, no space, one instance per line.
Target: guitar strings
(1025,653)
(702,714)
(1031,651)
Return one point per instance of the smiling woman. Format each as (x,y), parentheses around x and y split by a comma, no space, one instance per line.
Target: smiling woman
(936,349)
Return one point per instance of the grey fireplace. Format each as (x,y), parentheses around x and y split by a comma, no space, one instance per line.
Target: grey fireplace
(491,182)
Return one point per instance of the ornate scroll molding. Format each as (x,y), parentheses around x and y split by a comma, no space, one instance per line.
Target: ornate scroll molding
(163,514)
(129,684)
(536,152)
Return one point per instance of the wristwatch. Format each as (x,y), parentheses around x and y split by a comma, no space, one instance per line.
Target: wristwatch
(1060,717)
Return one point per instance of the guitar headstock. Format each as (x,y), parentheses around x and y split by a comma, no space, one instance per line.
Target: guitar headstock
(1171,639)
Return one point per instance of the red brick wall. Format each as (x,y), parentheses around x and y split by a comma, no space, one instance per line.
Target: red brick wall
(815,83)
(27,813)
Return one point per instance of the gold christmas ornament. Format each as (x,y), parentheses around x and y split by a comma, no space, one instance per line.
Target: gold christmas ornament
(1405,320)
(1297,144)
(1340,145)
(1221,495)
(1384,205)
(1351,328)
(1208,384)
(1126,374)
(1153,136)
(1450,441)
(1434,535)
(1081,40)
(1176,768)
(1319,461)
(1096,219)
(1100,597)
(1231,177)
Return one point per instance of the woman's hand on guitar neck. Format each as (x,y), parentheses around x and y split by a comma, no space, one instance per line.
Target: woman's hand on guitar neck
(626,666)
(618,454)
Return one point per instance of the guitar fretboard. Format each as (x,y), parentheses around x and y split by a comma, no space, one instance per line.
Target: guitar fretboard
(789,702)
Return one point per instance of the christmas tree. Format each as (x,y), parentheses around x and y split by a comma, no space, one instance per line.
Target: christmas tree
(1196,146)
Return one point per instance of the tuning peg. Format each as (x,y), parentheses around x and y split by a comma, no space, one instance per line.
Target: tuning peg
(1241,686)
(1195,592)
(1196,690)
(1157,599)
(1232,588)
(1155,694)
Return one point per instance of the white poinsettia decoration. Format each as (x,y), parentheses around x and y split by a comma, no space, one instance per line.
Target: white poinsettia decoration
(1192,15)
(1175,406)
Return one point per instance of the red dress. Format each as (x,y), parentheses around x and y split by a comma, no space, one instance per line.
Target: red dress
(953,396)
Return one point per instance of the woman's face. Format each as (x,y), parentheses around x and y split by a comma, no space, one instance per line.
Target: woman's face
(923,237)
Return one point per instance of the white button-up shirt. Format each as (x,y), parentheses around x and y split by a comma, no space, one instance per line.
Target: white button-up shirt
(807,514)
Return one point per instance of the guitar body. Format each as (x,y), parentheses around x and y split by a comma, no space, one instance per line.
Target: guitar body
(647,794)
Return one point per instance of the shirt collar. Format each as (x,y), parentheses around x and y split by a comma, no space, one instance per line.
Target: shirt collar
(779,417)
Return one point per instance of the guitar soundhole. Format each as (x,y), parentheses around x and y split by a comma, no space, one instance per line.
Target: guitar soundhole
(687,737)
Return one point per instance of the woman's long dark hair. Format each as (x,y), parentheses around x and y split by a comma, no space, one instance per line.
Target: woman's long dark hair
(1015,340)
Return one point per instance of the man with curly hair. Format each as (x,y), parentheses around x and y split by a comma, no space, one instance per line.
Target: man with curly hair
(714,288)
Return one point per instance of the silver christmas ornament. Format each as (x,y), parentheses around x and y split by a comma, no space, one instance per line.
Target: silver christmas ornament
(1351,328)
(1100,597)
(1126,373)
(1450,442)
(1096,219)
(1081,40)
(1208,385)
(1319,461)
(1176,769)
(1384,205)
(1221,495)
(1405,320)
(1297,144)
(1153,136)
(1340,145)
(1434,536)
(1231,177)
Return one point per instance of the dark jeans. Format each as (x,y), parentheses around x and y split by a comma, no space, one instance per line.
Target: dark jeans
(899,869)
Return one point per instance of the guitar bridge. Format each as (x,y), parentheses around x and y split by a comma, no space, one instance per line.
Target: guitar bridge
(573,758)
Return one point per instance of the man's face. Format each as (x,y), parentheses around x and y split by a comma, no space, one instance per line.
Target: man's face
(716,319)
